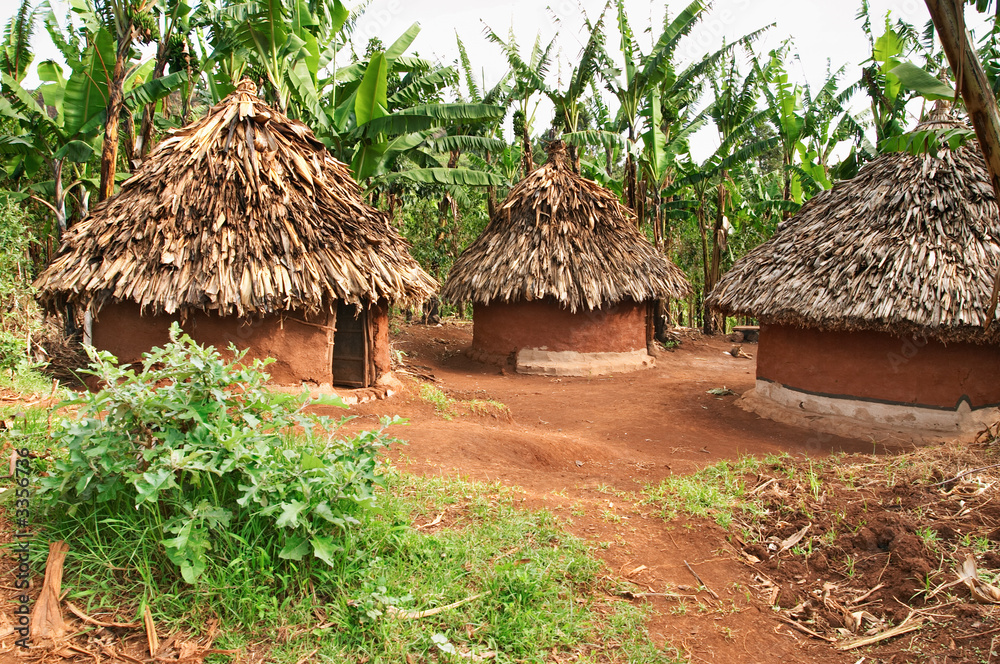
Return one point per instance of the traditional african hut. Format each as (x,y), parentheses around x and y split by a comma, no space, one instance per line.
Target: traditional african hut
(872,298)
(562,278)
(245,229)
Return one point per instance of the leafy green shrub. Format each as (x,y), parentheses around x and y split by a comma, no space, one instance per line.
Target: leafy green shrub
(20,317)
(197,450)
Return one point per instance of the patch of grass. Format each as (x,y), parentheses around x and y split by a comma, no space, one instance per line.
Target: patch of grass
(928,536)
(713,491)
(443,404)
(532,585)
(448,407)
(24,378)
(488,407)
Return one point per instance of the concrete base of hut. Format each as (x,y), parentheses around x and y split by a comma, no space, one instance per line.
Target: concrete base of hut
(856,418)
(872,383)
(541,362)
(541,337)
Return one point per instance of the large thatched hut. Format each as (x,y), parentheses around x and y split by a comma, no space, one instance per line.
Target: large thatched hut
(872,299)
(245,229)
(561,279)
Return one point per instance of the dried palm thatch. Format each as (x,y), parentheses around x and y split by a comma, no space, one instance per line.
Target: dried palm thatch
(561,236)
(908,246)
(242,212)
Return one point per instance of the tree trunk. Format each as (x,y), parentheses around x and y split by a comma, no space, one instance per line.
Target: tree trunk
(491,192)
(574,158)
(949,20)
(706,270)
(630,175)
(60,196)
(145,142)
(109,153)
(718,244)
(127,138)
(527,157)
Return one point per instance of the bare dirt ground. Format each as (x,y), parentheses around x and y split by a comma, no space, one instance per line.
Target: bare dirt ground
(879,537)
(584,447)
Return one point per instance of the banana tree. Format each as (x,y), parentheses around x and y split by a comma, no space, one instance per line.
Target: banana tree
(287,43)
(528,79)
(15,49)
(388,137)
(478,93)
(643,72)
(79,110)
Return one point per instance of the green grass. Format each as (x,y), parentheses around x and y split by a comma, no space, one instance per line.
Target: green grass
(713,491)
(443,404)
(25,380)
(539,588)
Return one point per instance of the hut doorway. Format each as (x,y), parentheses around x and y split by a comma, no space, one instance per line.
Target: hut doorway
(351,344)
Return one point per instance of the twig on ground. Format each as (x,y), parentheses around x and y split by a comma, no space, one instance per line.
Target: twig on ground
(806,630)
(413,615)
(698,579)
(94,621)
(968,472)
(909,625)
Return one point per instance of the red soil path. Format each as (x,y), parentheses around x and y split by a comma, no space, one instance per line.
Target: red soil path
(582,445)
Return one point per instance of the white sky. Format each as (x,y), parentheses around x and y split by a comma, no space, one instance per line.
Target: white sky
(821,30)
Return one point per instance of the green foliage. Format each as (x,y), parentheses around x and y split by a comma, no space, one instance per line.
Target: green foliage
(193,447)
(15,49)
(713,491)
(20,318)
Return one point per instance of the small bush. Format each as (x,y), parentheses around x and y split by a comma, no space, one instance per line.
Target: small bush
(20,321)
(194,450)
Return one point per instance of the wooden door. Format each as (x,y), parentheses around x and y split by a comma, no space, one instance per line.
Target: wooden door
(350,347)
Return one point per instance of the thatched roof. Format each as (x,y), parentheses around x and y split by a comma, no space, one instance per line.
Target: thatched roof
(561,236)
(909,246)
(242,212)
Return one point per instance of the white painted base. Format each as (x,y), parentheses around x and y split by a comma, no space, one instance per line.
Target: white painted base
(857,418)
(570,363)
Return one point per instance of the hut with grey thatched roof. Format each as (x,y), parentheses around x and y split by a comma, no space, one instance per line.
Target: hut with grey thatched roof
(243,227)
(872,299)
(561,280)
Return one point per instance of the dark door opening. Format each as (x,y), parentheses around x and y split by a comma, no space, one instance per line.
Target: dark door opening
(350,347)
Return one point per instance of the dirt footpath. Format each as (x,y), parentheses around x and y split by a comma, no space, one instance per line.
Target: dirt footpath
(582,447)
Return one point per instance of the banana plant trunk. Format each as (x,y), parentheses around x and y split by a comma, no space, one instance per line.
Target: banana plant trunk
(718,244)
(109,152)
(149,111)
(949,20)
(527,158)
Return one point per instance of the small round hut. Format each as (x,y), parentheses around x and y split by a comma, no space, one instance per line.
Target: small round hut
(561,280)
(872,300)
(245,229)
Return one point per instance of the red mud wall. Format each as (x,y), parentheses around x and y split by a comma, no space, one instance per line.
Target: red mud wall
(302,352)
(880,366)
(378,317)
(503,328)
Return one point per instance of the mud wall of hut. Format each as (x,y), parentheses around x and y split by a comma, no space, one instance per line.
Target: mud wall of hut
(378,319)
(503,328)
(302,347)
(880,367)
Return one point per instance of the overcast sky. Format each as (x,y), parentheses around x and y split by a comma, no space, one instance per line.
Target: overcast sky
(822,31)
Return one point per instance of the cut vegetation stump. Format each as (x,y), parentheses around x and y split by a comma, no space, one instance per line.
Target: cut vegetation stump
(46,619)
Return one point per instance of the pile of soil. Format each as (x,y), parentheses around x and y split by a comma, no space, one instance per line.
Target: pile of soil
(879,541)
